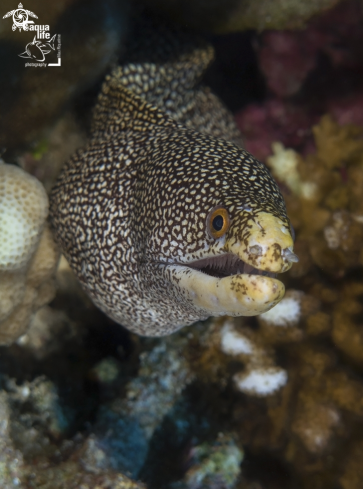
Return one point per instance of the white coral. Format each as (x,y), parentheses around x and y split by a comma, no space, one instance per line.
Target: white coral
(260,377)
(285,313)
(23,210)
(261,381)
(284,166)
(235,343)
(28,255)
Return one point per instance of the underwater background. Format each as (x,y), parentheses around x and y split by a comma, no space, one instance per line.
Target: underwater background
(271,402)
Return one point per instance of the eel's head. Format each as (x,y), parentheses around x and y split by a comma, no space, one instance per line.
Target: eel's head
(220,227)
(238,275)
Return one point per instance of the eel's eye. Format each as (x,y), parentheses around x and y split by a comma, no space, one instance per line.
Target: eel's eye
(218,222)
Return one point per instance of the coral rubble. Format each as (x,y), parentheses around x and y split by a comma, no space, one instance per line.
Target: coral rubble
(28,467)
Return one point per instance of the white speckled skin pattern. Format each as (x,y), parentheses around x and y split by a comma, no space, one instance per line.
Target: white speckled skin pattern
(130,209)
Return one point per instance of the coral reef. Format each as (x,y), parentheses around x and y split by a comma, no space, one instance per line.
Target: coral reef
(260,377)
(321,321)
(28,255)
(287,383)
(296,66)
(312,422)
(127,425)
(266,402)
(34,432)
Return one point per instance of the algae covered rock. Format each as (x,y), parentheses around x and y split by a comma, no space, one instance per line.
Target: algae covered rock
(213,465)
(31,417)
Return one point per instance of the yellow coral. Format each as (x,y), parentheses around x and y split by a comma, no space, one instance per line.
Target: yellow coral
(326,205)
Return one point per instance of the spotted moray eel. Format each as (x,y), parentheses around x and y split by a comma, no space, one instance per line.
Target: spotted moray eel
(163,216)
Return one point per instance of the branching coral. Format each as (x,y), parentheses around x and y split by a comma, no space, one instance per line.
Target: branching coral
(322,397)
(325,185)
(311,343)
(28,255)
(260,376)
(255,348)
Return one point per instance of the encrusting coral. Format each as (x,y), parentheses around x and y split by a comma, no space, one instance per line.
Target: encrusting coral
(28,254)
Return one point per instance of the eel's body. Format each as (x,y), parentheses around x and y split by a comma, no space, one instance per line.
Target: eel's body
(164,220)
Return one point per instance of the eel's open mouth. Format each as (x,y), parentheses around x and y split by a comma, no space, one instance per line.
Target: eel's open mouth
(226,265)
(226,285)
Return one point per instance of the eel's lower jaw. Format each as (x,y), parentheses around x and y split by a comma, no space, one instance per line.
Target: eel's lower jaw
(225,285)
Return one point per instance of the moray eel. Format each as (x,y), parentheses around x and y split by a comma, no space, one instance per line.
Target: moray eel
(164,218)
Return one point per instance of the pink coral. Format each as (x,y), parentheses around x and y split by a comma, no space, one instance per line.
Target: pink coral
(308,73)
(286,58)
(272,121)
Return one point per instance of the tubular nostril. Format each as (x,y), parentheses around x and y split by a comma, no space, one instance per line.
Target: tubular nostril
(290,256)
(256,250)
